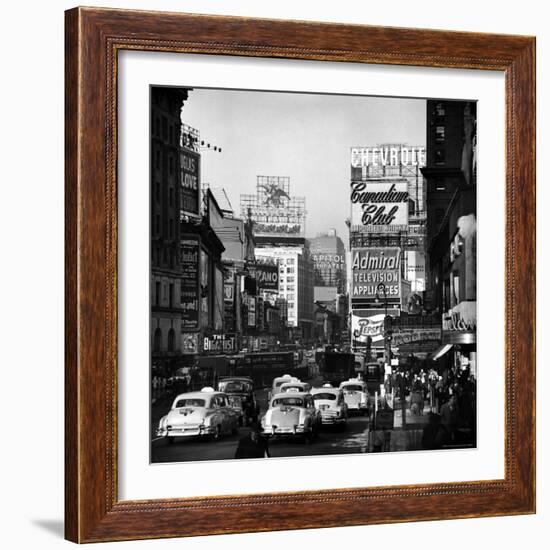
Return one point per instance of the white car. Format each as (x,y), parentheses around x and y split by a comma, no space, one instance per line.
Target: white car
(329,401)
(356,395)
(292,414)
(296,386)
(205,413)
(277,384)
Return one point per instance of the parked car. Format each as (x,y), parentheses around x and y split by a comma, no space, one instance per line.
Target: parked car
(329,401)
(356,395)
(204,413)
(242,387)
(292,415)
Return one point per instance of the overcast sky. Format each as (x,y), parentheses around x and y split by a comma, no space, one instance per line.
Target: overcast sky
(304,136)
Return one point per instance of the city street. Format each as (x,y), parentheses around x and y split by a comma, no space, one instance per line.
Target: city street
(330,441)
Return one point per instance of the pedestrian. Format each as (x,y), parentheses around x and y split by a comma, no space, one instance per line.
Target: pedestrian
(254,444)
(449,416)
(433,434)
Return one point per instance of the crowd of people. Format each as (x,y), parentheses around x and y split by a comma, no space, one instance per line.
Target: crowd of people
(448,398)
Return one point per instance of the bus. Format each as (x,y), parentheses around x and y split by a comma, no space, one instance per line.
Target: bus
(264,366)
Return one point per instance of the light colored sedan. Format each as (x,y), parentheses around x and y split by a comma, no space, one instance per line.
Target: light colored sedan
(356,395)
(295,387)
(329,401)
(292,414)
(206,413)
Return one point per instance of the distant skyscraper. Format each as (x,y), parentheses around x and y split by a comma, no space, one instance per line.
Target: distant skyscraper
(329,260)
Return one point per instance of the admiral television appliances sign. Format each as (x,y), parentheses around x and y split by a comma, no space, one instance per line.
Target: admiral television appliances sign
(372,267)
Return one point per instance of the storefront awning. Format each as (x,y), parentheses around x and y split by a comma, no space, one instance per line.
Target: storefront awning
(442,351)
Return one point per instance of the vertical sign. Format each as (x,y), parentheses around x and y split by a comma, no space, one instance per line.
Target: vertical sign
(251,311)
(189,181)
(189,259)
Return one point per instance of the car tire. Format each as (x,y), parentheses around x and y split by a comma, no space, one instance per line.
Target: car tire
(171,439)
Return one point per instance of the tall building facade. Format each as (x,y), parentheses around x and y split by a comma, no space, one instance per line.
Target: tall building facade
(329,260)
(387,237)
(451,176)
(295,286)
(278,221)
(166,310)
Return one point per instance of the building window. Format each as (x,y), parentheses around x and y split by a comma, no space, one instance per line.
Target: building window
(157,159)
(157,191)
(440,134)
(171,165)
(157,340)
(171,196)
(290,288)
(439,156)
(290,270)
(290,279)
(171,229)
(164,128)
(157,293)
(171,295)
(171,339)
(157,223)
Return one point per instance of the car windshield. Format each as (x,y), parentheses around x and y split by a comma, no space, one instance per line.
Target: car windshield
(288,401)
(234,400)
(353,387)
(292,388)
(188,402)
(327,396)
(235,387)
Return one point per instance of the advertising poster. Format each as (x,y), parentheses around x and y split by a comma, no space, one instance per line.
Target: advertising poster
(367,323)
(374,270)
(273,210)
(375,204)
(267,276)
(189,182)
(189,260)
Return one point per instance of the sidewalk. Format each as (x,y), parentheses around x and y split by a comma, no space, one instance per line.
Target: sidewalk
(408,436)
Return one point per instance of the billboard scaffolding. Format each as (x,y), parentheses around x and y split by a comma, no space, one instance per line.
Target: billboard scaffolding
(273,210)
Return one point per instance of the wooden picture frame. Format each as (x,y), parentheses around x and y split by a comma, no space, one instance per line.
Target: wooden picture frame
(93,39)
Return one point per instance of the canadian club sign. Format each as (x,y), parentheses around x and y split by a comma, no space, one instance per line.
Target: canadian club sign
(373,267)
(379,203)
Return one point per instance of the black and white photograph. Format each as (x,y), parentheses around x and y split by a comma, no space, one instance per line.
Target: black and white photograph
(312,274)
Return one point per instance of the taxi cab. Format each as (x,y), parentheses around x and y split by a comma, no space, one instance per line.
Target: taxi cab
(356,395)
(278,381)
(292,414)
(329,401)
(204,413)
